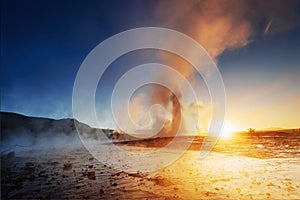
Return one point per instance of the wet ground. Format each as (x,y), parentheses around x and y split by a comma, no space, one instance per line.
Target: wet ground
(72,173)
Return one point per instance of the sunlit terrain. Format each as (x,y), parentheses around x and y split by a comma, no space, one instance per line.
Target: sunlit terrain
(226,173)
(243,165)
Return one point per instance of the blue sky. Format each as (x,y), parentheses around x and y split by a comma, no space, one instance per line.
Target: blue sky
(43,44)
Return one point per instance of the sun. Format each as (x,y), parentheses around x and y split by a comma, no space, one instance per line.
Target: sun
(228,130)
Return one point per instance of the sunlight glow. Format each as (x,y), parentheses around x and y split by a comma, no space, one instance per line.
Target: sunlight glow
(228,130)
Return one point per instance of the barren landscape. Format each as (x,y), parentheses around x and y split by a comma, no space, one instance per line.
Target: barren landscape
(252,167)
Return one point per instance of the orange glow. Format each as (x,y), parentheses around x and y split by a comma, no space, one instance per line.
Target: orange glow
(228,130)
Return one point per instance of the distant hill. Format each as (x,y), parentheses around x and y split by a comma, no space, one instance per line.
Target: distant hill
(22,130)
(271,133)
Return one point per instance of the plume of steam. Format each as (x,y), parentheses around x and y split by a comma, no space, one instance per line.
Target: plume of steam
(214,25)
(218,26)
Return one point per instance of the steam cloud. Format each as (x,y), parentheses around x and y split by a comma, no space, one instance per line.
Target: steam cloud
(218,26)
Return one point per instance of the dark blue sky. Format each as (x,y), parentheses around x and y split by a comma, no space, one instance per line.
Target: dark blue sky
(43,44)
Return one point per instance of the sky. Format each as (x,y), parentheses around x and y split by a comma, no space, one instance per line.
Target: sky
(256,48)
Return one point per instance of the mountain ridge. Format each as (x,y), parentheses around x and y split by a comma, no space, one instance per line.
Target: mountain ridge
(22,130)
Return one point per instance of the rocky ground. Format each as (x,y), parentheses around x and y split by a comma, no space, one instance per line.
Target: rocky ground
(72,173)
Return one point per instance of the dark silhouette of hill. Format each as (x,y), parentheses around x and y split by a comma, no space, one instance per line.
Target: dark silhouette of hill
(28,131)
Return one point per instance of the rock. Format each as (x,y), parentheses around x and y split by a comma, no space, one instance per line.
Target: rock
(20,180)
(29,167)
(138,175)
(31,178)
(84,173)
(54,163)
(43,174)
(91,175)
(65,176)
(160,181)
(270,184)
(29,164)
(208,193)
(68,166)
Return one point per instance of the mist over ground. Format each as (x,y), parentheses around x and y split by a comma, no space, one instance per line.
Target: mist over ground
(19,132)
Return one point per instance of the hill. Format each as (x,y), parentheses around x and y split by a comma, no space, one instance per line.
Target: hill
(25,131)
